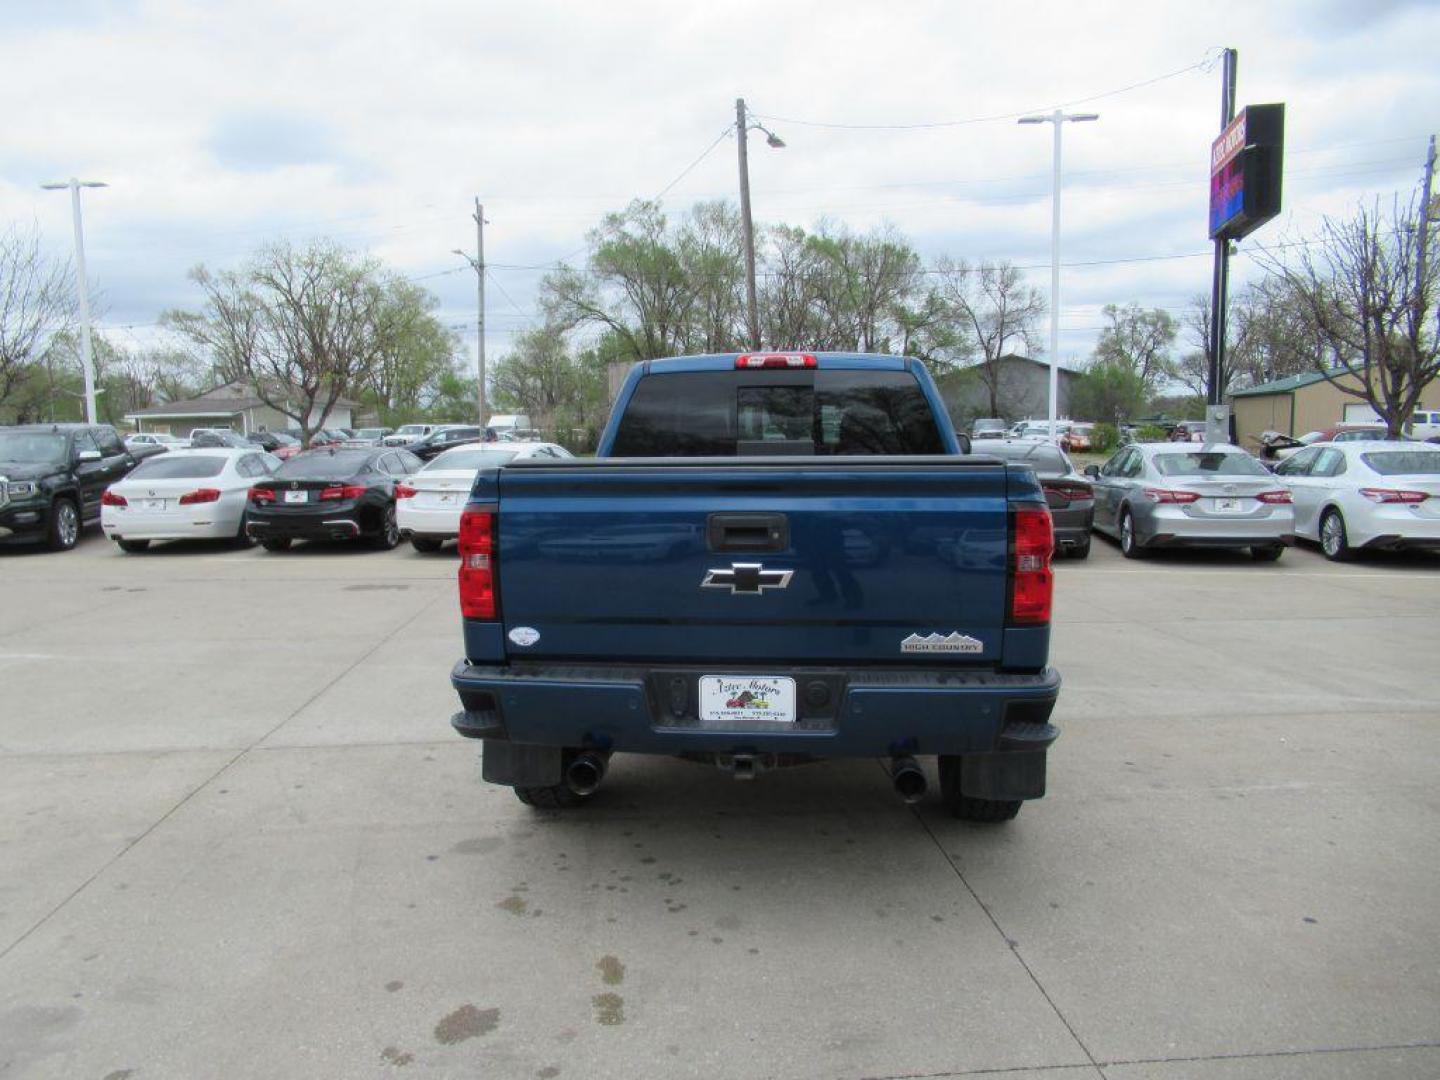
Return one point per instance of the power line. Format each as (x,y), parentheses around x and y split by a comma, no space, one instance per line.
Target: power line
(703,155)
(1206,63)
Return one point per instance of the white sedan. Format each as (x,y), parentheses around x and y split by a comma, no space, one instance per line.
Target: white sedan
(184,495)
(429,502)
(1371,494)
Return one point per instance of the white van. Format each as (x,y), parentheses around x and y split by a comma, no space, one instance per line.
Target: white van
(1425,424)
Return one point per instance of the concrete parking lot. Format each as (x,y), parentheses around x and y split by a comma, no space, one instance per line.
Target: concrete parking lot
(238,839)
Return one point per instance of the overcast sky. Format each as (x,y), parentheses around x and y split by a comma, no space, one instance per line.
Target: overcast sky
(222,126)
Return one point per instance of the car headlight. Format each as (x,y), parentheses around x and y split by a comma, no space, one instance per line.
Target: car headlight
(22,489)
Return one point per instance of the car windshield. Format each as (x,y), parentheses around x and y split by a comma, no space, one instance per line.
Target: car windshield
(32,447)
(468,457)
(1312,437)
(322,465)
(176,467)
(1403,462)
(1214,463)
(411,429)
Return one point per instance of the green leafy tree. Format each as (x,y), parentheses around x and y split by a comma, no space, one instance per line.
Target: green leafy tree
(37,303)
(1110,391)
(994,312)
(1140,340)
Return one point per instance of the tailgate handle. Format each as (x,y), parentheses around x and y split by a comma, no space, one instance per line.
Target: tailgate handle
(747,532)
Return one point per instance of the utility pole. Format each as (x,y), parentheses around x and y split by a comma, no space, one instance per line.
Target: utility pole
(87,359)
(477,263)
(742,137)
(1424,225)
(480,306)
(1220,285)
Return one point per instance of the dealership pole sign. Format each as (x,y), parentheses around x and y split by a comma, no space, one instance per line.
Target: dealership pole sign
(1246,171)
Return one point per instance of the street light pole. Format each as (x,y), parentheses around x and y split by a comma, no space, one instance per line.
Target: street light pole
(87,361)
(1058,118)
(743,124)
(477,263)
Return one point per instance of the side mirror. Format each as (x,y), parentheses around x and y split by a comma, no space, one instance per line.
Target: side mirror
(1092,471)
(88,455)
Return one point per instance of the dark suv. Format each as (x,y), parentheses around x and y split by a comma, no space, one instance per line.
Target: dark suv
(52,477)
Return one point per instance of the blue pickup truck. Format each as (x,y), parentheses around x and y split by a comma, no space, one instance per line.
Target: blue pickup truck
(774,558)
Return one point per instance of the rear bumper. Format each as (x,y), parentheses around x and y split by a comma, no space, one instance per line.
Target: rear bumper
(886,711)
(343,522)
(198,523)
(1170,526)
(428,521)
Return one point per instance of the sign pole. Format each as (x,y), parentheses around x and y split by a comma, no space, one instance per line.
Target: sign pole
(1220,288)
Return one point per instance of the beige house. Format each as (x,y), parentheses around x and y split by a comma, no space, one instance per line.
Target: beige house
(233,405)
(1293,406)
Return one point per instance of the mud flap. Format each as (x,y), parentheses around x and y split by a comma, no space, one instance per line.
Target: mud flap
(1005,774)
(520,764)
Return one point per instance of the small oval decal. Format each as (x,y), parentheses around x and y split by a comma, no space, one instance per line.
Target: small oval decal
(524,636)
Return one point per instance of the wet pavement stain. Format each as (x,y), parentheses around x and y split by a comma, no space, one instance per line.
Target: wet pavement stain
(466,1022)
(612,971)
(478,845)
(516,905)
(395,1056)
(609,1009)
(728,922)
(120,1074)
(549,1072)
(393,985)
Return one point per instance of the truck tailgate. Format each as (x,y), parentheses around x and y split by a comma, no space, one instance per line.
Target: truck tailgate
(876,560)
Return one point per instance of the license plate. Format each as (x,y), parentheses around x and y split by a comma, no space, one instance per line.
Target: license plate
(731,699)
(297,496)
(1227,506)
(152,504)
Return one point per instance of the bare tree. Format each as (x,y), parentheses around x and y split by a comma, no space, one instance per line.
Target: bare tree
(37,303)
(993,306)
(1368,294)
(303,328)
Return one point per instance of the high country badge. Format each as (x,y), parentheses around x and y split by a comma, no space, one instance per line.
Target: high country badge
(955,642)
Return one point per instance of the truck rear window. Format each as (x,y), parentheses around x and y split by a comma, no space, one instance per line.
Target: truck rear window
(734,413)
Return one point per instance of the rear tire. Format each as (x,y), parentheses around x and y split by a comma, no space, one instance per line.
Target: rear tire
(1081,550)
(276,543)
(965,807)
(1270,553)
(553,797)
(1130,545)
(389,535)
(133,547)
(64,531)
(426,544)
(1334,541)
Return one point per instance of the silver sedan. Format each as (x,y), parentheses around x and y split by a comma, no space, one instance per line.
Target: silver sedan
(1177,495)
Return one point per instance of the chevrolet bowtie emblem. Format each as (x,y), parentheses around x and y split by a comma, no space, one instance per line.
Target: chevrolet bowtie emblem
(749,578)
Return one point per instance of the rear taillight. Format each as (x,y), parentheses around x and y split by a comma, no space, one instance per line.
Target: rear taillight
(109,498)
(260,496)
(1032,584)
(200,495)
(1067,490)
(339,491)
(478,533)
(1274,498)
(404,491)
(1160,495)
(776,360)
(1394,495)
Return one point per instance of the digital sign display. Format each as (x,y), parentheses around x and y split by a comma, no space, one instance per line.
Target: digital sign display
(1246,169)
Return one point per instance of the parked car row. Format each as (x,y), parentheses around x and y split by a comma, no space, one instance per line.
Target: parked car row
(1347,495)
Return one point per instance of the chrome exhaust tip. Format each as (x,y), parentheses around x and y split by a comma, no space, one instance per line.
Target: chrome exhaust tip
(908,778)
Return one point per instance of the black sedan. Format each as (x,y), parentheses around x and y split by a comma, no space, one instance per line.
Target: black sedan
(1069,495)
(437,442)
(330,494)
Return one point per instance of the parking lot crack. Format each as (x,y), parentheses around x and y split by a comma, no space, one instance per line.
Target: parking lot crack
(1008,940)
